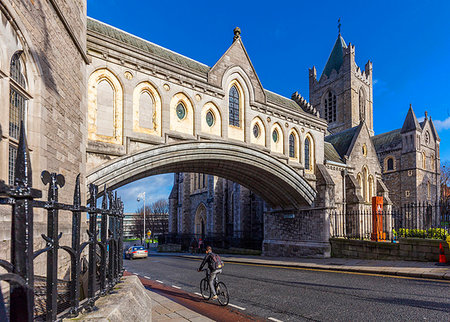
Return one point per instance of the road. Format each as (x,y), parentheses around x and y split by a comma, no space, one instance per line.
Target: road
(295,294)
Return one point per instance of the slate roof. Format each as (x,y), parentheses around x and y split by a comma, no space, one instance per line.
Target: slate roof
(144,45)
(282,101)
(387,141)
(330,153)
(411,122)
(342,140)
(336,57)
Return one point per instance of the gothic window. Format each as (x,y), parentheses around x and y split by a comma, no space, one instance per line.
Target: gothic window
(234,106)
(424,159)
(428,190)
(275,136)
(181,111)
(362,105)
(309,154)
(210,118)
(432,161)
(292,145)
(105,108)
(17,108)
(390,164)
(365,184)
(371,188)
(256,131)
(330,107)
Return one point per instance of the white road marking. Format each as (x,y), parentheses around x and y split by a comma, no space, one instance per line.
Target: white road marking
(174,286)
(147,277)
(197,294)
(276,320)
(160,281)
(238,307)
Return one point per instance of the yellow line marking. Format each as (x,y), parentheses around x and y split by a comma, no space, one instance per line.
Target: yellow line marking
(335,271)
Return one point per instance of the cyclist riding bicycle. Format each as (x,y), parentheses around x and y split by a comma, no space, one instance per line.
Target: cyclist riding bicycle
(213,271)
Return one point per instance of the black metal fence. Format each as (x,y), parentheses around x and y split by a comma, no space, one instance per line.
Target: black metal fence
(47,297)
(422,220)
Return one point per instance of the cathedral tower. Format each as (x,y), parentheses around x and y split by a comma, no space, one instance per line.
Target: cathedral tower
(343,93)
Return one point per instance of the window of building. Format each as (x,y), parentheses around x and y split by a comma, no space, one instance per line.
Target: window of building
(432,161)
(181,111)
(330,107)
(309,153)
(210,118)
(428,190)
(364,150)
(362,105)
(256,131)
(233,106)
(389,164)
(291,145)
(424,161)
(275,135)
(17,108)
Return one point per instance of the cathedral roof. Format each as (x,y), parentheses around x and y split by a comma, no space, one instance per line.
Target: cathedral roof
(144,45)
(411,122)
(330,153)
(342,140)
(336,57)
(387,141)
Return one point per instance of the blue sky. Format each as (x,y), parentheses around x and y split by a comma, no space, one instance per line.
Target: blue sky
(407,41)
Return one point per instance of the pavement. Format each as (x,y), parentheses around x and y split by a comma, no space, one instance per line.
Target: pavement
(167,307)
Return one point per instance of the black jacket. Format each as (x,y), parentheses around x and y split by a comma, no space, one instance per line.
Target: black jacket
(208,260)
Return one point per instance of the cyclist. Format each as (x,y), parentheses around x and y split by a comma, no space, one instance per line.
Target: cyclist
(212,271)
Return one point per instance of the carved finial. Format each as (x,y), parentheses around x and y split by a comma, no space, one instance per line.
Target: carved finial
(237,33)
(339,26)
(22,171)
(426,115)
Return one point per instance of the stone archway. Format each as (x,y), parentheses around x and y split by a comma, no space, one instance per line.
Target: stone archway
(200,222)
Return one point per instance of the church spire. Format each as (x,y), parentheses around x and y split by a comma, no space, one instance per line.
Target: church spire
(411,123)
(336,58)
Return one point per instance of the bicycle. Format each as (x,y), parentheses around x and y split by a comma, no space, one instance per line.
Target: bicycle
(221,289)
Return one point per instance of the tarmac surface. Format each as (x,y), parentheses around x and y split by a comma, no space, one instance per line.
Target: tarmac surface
(286,289)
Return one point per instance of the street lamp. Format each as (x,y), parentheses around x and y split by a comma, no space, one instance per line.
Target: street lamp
(142,196)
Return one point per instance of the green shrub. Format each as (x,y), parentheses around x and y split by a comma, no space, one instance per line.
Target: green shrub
(432,233)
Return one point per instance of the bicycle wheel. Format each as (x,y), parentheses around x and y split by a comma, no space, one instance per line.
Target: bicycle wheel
(222,294)
(204,289)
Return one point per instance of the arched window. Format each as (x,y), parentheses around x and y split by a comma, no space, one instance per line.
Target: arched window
(428,190)
(233,106)
(309,154)
(17,108)
(432,161)
(371,188)
(330,107)
(292,146)
(362,104)
(365,184)
(424,161)
(390,164)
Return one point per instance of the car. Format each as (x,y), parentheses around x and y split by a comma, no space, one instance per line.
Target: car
(136,252)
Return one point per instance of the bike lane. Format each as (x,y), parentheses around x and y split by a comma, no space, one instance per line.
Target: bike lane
(210,309)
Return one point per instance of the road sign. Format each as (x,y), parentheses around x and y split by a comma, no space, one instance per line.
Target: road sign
(149,233)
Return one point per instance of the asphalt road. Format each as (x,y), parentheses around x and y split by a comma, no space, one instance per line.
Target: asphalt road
(292,294)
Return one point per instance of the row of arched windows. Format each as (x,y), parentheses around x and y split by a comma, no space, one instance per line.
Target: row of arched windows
(330,106)
(367,183)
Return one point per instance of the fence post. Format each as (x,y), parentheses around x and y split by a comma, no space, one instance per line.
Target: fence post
(121,238)
(75,266)
(93,189)
(110,241)
(22,299)
(53,180)
(104,240)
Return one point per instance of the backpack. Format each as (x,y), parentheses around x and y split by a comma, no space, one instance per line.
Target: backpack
(217,262)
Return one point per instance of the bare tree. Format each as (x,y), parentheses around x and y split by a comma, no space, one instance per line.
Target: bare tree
(156,219)
(445,181)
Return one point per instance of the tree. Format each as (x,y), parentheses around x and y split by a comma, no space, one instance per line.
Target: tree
(445,181)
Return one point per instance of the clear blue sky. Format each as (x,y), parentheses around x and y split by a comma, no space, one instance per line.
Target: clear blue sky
(407,41)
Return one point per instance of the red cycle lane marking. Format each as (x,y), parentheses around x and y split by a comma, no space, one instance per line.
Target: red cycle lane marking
(196,303)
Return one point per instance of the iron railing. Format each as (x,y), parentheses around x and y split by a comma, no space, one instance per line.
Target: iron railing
(105,261)
(422,220)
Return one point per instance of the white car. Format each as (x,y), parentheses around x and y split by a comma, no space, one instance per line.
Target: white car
(136,252)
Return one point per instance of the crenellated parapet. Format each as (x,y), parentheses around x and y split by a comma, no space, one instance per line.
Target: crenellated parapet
(304,104)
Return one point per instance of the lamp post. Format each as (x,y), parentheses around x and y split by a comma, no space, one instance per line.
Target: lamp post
(142,196)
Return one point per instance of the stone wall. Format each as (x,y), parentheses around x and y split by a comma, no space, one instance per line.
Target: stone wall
(300,234)
(416,249)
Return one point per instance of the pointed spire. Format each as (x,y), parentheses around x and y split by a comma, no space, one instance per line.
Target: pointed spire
(336,58)
(411,123)
(22,173)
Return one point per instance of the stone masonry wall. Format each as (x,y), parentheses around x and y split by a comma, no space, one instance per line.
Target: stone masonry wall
(415,249)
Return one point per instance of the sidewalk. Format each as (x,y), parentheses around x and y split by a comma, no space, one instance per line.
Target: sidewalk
(400,268)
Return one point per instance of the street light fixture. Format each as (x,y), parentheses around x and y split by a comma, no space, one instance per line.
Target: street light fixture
(142,196)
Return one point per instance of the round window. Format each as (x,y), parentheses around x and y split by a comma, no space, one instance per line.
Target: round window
(181,111)
(210,118)
(256,130)
(275,136)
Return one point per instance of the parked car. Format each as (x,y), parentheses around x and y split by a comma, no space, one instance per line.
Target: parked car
(136,252)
